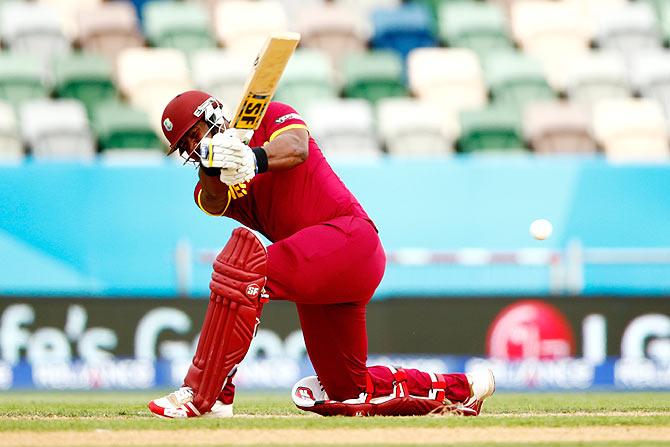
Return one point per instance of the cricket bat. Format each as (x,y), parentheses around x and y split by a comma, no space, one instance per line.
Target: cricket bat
(263,80)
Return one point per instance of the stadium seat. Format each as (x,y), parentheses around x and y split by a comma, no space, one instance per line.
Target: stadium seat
(481,27)
(67,13)
(84,76)
(333,29)
(491,129)
(184,26)
(32,28)
(631,130)
(57,129)
(343,128)
(11,145)
(650,76)
(151,77)
(22,77)
(245,25)
(365,7)
(558,127)
(222,73)
(544,28)
(593,10)
(308,77)
(411,127)
(597,75)
(121,126)
(109,28)
(663,14)
(373,75)
(629,29)
(450,76)
(516,79)
(402,29)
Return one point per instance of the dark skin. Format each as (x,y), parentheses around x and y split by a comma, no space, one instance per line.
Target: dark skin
(286,151)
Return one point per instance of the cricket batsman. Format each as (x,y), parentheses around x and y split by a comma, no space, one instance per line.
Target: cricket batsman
(325,256)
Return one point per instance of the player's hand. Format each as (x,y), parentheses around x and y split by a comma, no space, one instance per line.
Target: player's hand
(236,159)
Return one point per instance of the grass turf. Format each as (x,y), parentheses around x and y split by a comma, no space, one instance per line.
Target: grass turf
(39,411)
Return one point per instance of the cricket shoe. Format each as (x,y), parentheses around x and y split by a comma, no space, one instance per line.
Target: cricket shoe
(482,385)
(179,404)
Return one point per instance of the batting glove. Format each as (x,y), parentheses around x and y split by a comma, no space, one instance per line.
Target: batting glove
(235,159)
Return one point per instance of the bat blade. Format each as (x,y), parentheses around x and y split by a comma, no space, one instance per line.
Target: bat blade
(263,80)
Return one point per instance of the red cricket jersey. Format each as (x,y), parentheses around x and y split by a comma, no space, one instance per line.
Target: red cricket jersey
(280,203)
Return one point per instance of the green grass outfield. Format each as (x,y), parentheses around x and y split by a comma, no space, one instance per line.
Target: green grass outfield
(509,419)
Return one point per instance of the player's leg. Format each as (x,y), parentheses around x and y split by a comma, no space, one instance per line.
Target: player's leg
(338,261)
(336,341)
(229,325)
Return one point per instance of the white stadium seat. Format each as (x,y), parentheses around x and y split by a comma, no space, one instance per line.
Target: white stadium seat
(57,129)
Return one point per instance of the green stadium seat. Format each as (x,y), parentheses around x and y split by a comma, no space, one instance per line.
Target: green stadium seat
(663,12)
(515,79)
(492,128)
(21,78)
(84,76)
(184,26)
(482,27)
(308,78)
(435,5)
(120,126)
(373,75)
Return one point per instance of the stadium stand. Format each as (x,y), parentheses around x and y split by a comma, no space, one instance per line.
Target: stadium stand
(597,75)
(481,27)
(546,28)
(120,126)
(628,29)
(221,73)
(491,129)
(650,76)
(109,28)
(515,79)
(553,127)
(57,129)
(22,77)
(334,29)
(150,77)
(309,77)
(67,13)
(344,127)
(472,56)
(410,127)
(84,76)
(184,26)
(631,130)
(11,145)
(365,7)
(244,25)
(451,76)
(402,29)
(33,28)
(373,75)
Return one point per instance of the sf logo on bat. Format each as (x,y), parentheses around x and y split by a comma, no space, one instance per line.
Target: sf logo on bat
(252,111)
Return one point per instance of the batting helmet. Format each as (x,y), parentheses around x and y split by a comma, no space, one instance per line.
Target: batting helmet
(186,109)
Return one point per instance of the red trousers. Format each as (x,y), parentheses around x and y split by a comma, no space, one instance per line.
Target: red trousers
(331,271)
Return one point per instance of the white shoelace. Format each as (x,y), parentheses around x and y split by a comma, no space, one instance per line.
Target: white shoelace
(183,395)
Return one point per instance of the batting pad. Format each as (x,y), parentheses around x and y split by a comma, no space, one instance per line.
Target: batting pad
(309,395)
(231,318)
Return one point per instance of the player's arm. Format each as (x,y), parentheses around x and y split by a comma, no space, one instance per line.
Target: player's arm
(287,150)
(211,195)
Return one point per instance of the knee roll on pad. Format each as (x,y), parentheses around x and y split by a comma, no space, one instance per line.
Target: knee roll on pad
(231,318)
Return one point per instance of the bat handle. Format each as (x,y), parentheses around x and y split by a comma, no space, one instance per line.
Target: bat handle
(244,135)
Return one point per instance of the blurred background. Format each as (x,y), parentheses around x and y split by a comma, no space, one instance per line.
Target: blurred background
(455,122)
